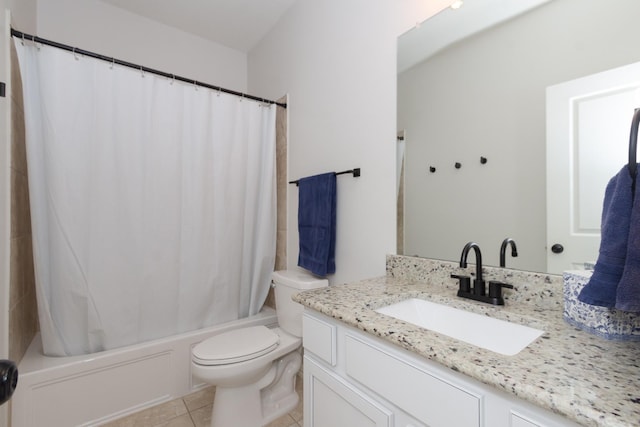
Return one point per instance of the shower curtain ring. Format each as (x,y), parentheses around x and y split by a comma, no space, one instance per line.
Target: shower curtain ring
(33,40)
(22,39)
(173,79)
(74,54)
(195,85)
(113,62)
(141,71)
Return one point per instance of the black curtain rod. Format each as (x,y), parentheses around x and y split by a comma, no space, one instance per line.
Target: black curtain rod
(40,40)
(355,172)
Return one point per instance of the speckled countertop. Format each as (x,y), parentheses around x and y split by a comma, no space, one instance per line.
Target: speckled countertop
(590,380)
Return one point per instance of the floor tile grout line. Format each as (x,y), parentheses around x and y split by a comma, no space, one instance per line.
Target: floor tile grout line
(193,422)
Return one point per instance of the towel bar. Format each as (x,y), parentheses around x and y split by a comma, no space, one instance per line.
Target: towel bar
(633,141)
(354,171)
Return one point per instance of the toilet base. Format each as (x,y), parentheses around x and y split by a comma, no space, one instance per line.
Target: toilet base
(281,397)
(257,404)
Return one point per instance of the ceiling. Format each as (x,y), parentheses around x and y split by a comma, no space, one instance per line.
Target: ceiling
(241,24)
(450,26)
(237,24)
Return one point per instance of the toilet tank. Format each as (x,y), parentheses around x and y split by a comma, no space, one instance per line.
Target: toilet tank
(288,283)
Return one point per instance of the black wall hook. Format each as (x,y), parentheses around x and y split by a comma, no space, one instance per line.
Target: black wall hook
(483,160)
(432,169)
(458,165)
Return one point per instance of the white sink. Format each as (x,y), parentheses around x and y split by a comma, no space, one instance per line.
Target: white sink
(492,334)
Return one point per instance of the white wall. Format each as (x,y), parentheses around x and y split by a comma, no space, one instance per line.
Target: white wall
(336,60)
(23,14)
(100,27)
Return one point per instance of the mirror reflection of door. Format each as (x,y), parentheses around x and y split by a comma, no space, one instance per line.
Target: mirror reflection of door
(588,123)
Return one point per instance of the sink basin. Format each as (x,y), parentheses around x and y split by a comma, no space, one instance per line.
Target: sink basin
(492,334)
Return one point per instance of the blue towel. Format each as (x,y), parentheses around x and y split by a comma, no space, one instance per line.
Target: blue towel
(628,292)
(601,290)
(317,223)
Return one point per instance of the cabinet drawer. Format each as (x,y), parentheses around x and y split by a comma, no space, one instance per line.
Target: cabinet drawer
(429,399)
(319,338)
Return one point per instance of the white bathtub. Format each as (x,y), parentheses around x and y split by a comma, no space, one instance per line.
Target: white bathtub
(93,389)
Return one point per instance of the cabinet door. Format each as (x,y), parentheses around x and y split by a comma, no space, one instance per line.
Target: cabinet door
(420,392)
(332,402)
(539,419)
(519,421)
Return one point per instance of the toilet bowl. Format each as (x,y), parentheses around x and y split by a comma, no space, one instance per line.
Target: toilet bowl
(254,369)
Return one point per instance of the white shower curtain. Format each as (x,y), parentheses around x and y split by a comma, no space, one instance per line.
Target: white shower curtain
(152,202)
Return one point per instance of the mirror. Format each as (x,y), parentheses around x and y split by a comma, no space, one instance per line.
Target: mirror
(481,94)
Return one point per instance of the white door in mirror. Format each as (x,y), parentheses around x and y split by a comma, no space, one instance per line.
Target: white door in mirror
(588,122)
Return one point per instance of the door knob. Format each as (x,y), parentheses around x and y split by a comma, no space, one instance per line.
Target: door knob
(8,379)
(557,248)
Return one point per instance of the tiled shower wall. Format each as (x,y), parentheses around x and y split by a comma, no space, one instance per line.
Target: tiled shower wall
(23,311)
(23,315)
(281,184)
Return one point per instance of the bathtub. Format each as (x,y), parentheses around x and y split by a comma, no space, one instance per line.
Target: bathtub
(92,389)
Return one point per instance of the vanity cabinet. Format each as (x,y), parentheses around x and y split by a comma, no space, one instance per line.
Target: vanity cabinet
(355,379)
(332,401)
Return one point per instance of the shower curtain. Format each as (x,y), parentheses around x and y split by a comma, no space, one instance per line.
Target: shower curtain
(152,202)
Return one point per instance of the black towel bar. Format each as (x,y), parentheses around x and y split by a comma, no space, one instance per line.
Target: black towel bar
(633,147)
(354,171)
(633,143)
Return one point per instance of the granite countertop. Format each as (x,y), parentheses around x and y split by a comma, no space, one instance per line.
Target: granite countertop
(590,380)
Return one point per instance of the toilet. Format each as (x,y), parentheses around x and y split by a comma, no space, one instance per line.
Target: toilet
(254,368)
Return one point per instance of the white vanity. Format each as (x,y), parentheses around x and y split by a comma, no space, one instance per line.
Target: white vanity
(353,379)
(362,368)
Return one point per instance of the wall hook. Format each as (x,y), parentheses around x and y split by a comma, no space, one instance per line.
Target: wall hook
(483,160)
(432,169)
(458,165)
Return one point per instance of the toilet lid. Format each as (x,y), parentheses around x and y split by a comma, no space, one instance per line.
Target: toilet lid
(235,346)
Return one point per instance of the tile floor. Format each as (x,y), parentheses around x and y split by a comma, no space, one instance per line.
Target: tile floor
(194,410)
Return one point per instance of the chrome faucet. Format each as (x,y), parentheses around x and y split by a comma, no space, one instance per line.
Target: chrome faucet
(503,249)
(478,292)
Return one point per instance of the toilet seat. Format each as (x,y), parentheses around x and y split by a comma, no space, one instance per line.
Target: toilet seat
(235,346)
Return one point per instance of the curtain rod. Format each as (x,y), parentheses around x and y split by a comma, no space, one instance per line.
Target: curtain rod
(40,40)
